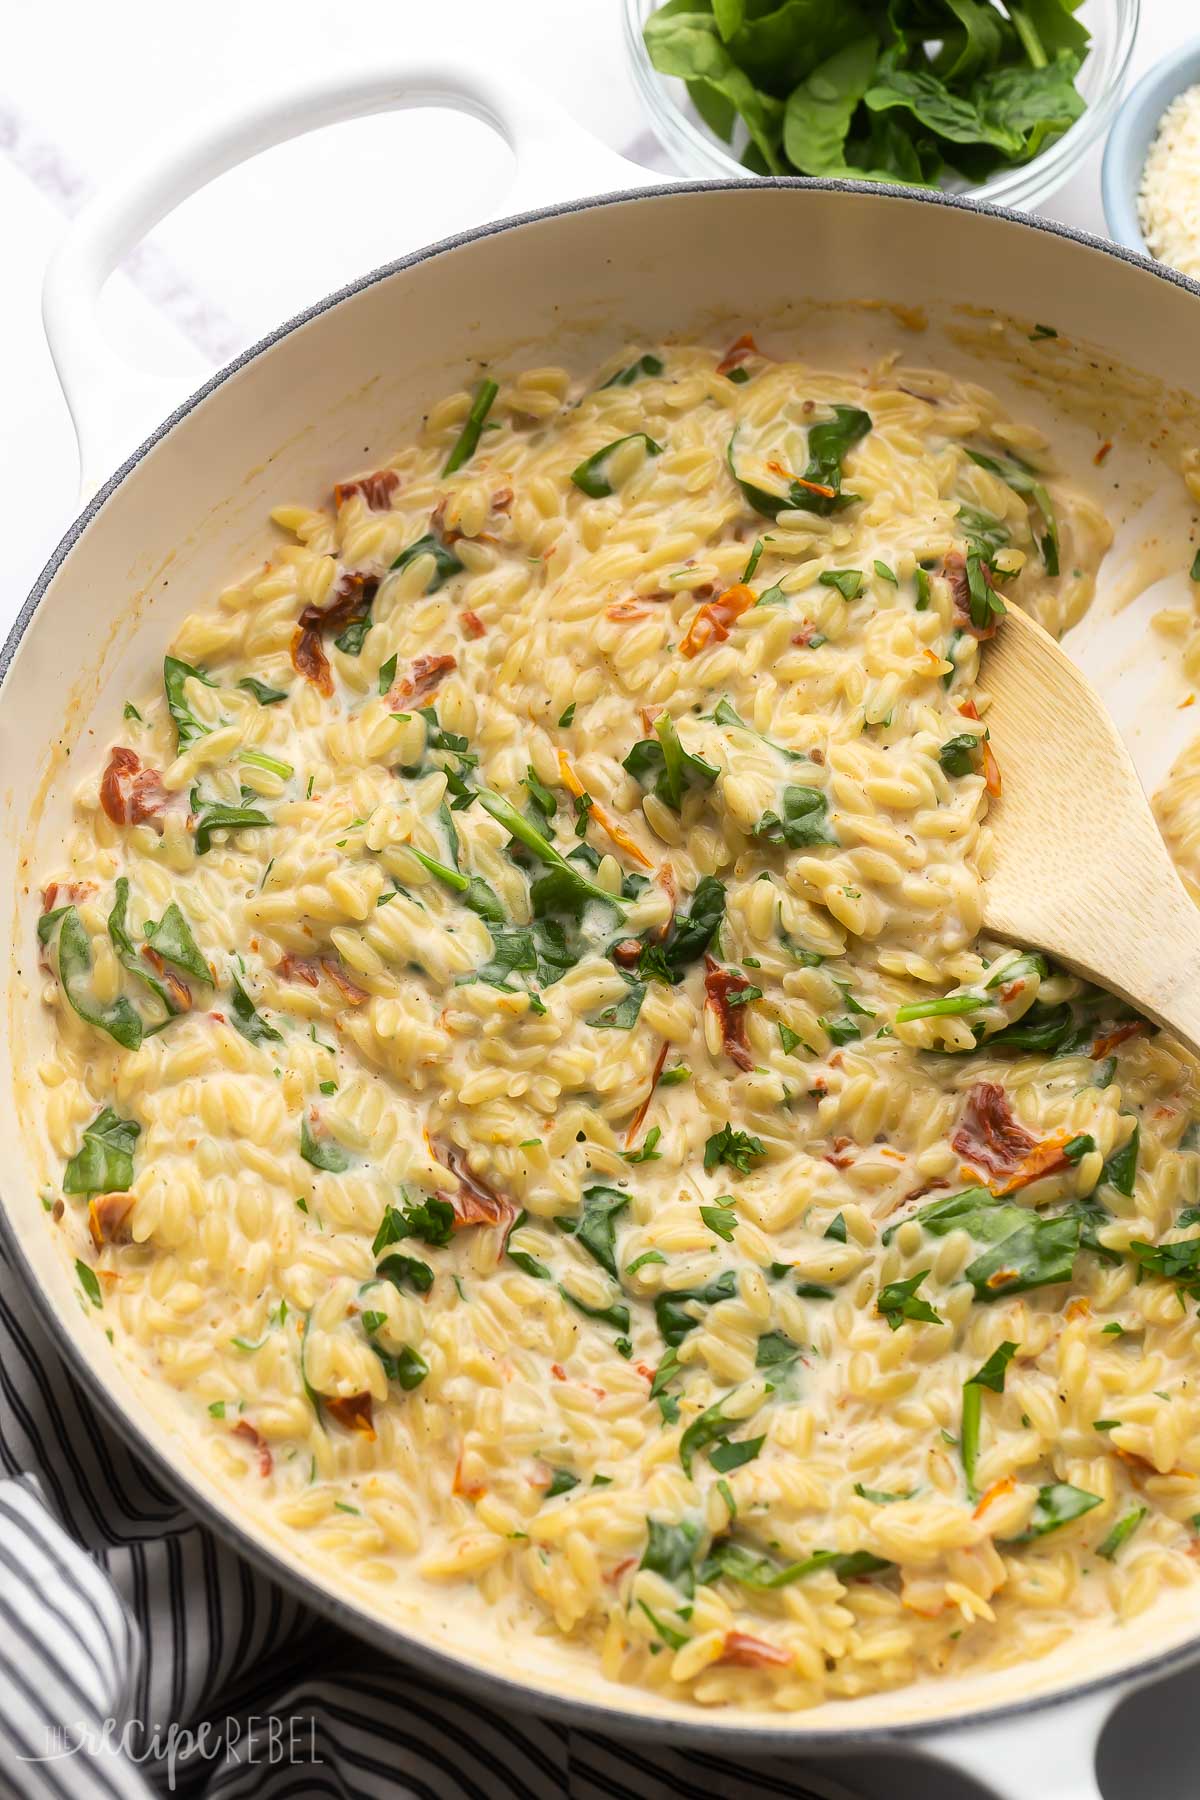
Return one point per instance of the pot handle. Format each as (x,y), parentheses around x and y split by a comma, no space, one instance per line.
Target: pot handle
(114,403)
(1050,1753)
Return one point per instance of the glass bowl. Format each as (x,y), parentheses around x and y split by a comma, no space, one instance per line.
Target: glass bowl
(697,151)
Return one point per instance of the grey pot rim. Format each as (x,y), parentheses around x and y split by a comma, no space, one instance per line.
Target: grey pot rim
(730,1734)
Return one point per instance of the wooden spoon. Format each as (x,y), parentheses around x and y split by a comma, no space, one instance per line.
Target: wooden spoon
(1080,870)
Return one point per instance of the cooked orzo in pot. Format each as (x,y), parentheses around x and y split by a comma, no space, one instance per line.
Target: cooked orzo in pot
(528,1075)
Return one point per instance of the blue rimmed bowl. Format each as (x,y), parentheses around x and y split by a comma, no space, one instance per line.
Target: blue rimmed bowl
(1132,134)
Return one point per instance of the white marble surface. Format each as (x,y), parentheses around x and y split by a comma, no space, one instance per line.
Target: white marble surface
(83,89)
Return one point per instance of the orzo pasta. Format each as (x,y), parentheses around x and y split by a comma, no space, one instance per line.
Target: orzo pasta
(528,1075)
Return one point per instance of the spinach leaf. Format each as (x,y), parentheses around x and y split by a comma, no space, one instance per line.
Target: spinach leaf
(1178,1262)
(990,1376)
(468,438)
(736,1563)
(666,766)
(172,938)
(688,936)
(802,821)
(977,43)
(709,1427)
(127,955)
(1090,1216)
(74,954)
(848,582)
(1120,1171)
(670,1309)
(266,696)
(406,1272)
(735,1453)
(445,564)
(960,755)
(542,797)
(899,1300)
(251,1024)
(615,1315)
(541,950)
(591,476)
(103,1164)
(1046,1029)
(819,109)
(688,44)
(187,726)
(524,1259)
(595,1224)
(408,1367)
(89,1281)
(828,443)
(983,532)
(725,714)
(217,815)
(1046,27)
(1121,1532)
(430,1220)
(1036,105)
(775,1351)
(931,103)
(781,41)
(1040,1253)
(1024,480)
(353,635)
(472,890)
(564,888)
(623,1016)
(322,1153)
(561,1482)
(670,1552)
(976,1210)
(1056,1506)
(645,365)
(735,1148)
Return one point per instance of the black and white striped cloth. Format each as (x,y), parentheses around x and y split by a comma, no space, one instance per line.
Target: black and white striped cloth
(139,1656)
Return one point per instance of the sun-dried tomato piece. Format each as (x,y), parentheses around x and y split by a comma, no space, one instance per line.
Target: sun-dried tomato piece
(309,970)
(988,1135)
(991,1140)
(739,352)
(753,1653)
(299,968)
(244,1429)
(954,568)
(347,988)
(715,619)
(475,1203)
(128,792)
(180,992)
(66,893)
(376,490)
(425,675)
(1104,1046)
(107,1218)
(354,1412)
(351,603)
(719,985)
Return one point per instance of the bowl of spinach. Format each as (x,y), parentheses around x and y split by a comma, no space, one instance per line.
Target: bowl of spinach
(993,98)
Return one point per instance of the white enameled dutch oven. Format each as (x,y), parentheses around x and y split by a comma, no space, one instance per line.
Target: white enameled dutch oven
(831,270)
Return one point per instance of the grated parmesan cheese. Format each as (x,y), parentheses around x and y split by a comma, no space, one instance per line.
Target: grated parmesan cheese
(1169,199)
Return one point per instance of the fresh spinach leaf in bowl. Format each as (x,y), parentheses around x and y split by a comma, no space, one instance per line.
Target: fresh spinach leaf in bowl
(911,91)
